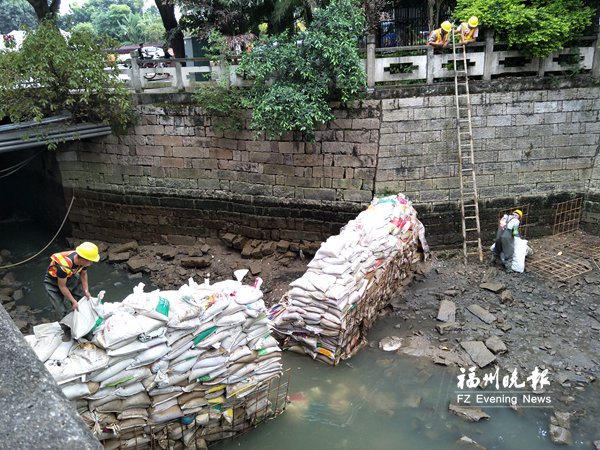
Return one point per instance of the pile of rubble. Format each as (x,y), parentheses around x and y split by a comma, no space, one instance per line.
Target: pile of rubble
(11,293)
(171,368)
(329,310)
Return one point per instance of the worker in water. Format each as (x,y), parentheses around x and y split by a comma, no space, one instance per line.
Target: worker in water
(468,31)
(66,279)
(508,229)
(439,38)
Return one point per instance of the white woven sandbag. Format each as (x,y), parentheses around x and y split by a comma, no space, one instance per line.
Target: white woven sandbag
(321,281)
(120,327)
(129,390)
(247,294)
(150,355)
(47,338)
(133,347)
(519,254)
(231,319)
(303,283)
(113,369)
(332,246)
(190,353)
(127,376)
(79,390)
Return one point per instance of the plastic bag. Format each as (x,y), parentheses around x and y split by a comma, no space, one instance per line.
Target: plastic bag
(86,318)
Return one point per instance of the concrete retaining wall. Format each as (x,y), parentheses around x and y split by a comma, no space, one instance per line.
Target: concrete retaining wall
(173,174)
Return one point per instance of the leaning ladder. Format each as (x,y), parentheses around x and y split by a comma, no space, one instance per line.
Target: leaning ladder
(469,201)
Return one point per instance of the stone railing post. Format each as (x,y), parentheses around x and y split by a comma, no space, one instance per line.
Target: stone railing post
(542,66)
(136,81)
(429,66)
(371,61)
(488,55)
(178,77)
(596,60)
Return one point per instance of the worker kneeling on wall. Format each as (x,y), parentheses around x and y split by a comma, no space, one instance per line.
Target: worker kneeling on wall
(67,279)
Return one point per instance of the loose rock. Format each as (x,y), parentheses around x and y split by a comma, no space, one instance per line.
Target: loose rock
(467,442)
(390,343)
(478,352)
(495,344)
(447,311)
(482,313)
(469,414)
(493,286)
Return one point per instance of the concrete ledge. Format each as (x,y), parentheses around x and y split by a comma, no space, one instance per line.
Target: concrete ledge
(34,414)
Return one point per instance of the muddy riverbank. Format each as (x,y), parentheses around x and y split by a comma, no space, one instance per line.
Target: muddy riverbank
(541,323)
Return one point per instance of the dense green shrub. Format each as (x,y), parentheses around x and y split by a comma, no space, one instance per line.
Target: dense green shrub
(50,74)
(538,27)
(296,75)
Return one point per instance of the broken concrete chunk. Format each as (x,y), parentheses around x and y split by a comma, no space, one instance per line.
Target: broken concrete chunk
(136,265)
(493,286)
(482,313)
(495,344)
(131,246)
(283,246)
(447,311)
(561,419)
(118,257)
(478,352)
(196,262)
(18,295)
(470,414)
(443,328)
(560,435)
(467,442)
(506,297)
(247,250)
(228,239)
(268,248)
(390,343)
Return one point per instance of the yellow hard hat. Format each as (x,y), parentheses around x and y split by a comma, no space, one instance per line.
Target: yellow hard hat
(473,22)
(446,26)
(88,251)
(519,212)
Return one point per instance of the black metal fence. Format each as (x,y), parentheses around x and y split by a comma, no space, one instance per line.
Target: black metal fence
(406,26)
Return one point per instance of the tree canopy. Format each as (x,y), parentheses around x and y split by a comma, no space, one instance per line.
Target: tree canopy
(296,75)
(16,14)
(49,75)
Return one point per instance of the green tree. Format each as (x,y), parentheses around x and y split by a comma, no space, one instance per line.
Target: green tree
(84,27)
(44,10)
(230,17)
(538,27)
(50,74)
(297,75)
(113,22)
(16,14)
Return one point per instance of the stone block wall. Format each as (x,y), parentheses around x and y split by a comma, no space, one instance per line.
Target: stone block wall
(174,174)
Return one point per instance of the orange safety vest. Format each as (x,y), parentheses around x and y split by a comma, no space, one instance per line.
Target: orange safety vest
(438,36)
(61,260)
(469,34)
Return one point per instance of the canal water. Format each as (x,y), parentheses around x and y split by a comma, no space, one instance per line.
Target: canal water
(376,400)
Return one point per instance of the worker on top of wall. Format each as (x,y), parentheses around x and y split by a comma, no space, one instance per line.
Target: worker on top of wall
(508,229)
(439,37)
(468,31)
(67,279)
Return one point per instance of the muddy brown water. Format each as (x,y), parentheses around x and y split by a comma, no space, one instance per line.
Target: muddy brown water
(376,400)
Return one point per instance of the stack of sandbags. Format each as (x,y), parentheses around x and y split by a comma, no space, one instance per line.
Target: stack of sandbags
(329,310)
(178,368)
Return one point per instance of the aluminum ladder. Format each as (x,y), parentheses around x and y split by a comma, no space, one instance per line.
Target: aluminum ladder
(469,200)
